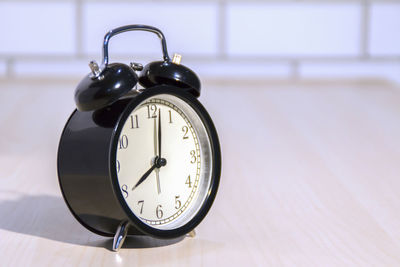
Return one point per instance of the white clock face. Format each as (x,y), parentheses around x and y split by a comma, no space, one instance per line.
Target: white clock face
(164,162)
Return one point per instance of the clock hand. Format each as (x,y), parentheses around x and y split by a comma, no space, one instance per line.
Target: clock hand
(159,149)
(155,138)
(158,181)
(145,175)
(159,133)
(158,163)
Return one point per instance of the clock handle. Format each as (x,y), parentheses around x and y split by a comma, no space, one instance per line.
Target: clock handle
(133,27)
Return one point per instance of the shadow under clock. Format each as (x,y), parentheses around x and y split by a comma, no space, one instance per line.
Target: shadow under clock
(48,217)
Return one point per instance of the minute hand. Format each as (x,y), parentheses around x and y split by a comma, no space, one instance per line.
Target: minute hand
(159,133)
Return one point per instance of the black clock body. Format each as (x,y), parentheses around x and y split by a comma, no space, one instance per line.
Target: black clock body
(87,166)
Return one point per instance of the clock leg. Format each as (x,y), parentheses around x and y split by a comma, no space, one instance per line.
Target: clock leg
(192,233)
(120,235)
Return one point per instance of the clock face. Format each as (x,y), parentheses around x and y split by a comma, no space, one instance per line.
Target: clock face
(164,162)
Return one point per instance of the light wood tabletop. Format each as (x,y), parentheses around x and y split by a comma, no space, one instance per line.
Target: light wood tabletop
(311,177)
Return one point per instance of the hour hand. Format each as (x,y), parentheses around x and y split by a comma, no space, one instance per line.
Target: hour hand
(158,163)
(141,180)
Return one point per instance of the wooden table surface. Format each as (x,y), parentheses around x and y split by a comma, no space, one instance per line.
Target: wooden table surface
(311,177)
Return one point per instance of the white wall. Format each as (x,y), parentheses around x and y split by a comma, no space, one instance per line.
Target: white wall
(218,39)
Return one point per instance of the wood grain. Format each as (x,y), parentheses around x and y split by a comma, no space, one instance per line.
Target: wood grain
(310,178)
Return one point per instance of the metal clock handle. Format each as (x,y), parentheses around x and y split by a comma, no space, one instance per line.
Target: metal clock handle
(134,27)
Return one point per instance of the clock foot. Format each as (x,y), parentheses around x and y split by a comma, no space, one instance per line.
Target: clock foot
(192,233)
(120,235)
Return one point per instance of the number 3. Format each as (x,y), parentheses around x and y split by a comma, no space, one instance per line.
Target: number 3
(194,158)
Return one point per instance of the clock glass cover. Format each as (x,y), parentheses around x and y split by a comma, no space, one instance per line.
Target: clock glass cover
(164,162)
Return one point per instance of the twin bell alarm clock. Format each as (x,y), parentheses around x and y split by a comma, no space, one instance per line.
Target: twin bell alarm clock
(141,161)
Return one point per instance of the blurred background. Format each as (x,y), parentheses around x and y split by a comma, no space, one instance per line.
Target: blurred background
(221,40)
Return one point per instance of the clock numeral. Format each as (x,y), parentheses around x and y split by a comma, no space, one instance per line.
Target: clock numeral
(134,122)
(159,212)
(185,130)
(123,142)
(151,111)
(118,166)
(170,116)
(141,204)
(194,158)
(124,189)
(178,203)
(188,182)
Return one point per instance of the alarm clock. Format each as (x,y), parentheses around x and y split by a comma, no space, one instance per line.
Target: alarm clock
(139,161)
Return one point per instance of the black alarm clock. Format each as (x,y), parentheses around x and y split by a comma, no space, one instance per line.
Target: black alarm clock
(139,161)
